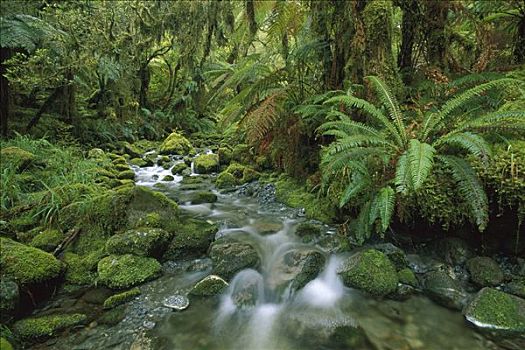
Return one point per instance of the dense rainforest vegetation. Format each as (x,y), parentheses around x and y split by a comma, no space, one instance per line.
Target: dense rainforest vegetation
(399,121)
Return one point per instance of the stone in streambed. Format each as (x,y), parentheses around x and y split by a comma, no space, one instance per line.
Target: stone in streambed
(210,285)
(231,256)
(124,271)
(444,290)
(177,302)
(484,271)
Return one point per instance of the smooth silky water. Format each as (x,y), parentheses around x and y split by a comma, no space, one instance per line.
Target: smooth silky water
(277,318)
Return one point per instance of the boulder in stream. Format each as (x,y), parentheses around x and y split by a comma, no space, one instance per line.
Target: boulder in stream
(175,143)
(230,256)
(484,271)
(192,239)
(177,302)
(206,163)
(444,290)
(46,326)
(144,241)
(371,271)
(210,285)
(124,271)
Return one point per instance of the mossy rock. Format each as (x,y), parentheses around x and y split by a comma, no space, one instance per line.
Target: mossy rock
(484,271)
(9,296)
(306,229)
(139,162)
(82,270)
(125,271)
(96,153)
(143,202)
(112,317)
(178,168)
(408,277)
(116,159)
(230,256)
(144,241)
(241,154)
(516,287)
(444,290)
(175,143)
(206,163)
(48,240)
(396,255)
(16,158)
(225,155)
(133,151)
(497,312)
(226,180)
(192,239)
(293,194)
(192,180)
(46,326)
(210,285)
(121,298)
(5,344)
(203,197)
(370,271)
(168,178)
(26,264)
(126,175)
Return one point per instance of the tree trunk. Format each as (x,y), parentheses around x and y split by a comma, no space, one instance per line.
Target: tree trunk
(144,76)
(519,48)
(436,41)
(5,100)
(50,100)
(409,26)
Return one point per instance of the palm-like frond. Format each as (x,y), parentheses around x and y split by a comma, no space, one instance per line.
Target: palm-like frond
(388,100)
(470,188)
(420,158)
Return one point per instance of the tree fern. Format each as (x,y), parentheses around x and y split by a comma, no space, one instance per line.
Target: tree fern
(470,188)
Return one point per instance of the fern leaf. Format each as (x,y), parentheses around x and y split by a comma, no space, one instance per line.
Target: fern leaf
(420,157)
(403,178)
(468,141)
(390,102)
(470,188)
(362,225)
(383,207)
(505,121)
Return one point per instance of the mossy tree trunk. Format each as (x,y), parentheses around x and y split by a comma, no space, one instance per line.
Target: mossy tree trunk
(519,46)
(409,28)
(5,101)
(436,12)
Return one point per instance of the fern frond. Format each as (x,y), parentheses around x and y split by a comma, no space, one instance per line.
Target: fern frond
(383,207)
(388,99)
(468,141)
(470,188)
(403,178)
(346,143)
(433,120)
(420,157)
(370,110)
(260,120)
(507,121)
(358,184)
(362,225)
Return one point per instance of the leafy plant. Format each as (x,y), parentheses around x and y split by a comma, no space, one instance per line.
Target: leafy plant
(386,159)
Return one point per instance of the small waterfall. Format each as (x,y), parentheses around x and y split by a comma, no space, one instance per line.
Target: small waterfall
(262,326)
(324,291)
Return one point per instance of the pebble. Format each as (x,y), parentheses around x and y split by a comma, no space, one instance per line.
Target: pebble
(177,302)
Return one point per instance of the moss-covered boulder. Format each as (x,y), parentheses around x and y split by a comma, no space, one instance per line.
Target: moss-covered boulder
(96,153)
(178,168)
(241,154)
(5,344)
(206,163)
(144,241)
(134,151)
(370,271)
(121,298)
(126,175)
(203,197)
(143,203)
(296,268)
(46,326)
(168,178)
(516,287)
(27,265)
(175,143)
(48,240)
(16,157)
(82,269)
(497,312)
(444,290)
(192,239)
(307,229)
(453,250)
(230,256)
(124,271)
(395,254)
(139,162)
(484,271)
(9,296)
(210,285)
(225,155)
(226,180)
(407,276)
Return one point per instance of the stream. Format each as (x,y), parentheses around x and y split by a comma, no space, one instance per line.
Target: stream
(316,316)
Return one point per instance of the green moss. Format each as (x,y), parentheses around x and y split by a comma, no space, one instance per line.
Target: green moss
(142,242)
(225,155)
(407,276)
(241,154)
(203,197)
(121,298)
(484,271)
(126,271)
(370,271)
(175,143)
(192,180)
(82,270)
(45,326)
(168,178)
(497,310)
(206,163)
(48,240)
(16,157)
(96,153)
(178,168)
(27,264)
(307,229)
(192,239)
(226,180)
(295,195)
(126,175)
(113,316)
(5,345)
(138,162)
(133,151)
(210,285)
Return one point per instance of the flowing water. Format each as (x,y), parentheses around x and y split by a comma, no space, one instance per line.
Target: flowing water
(323,314)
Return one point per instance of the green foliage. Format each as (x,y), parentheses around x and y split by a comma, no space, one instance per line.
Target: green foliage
(46,326)
(121,298)
(376,157)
